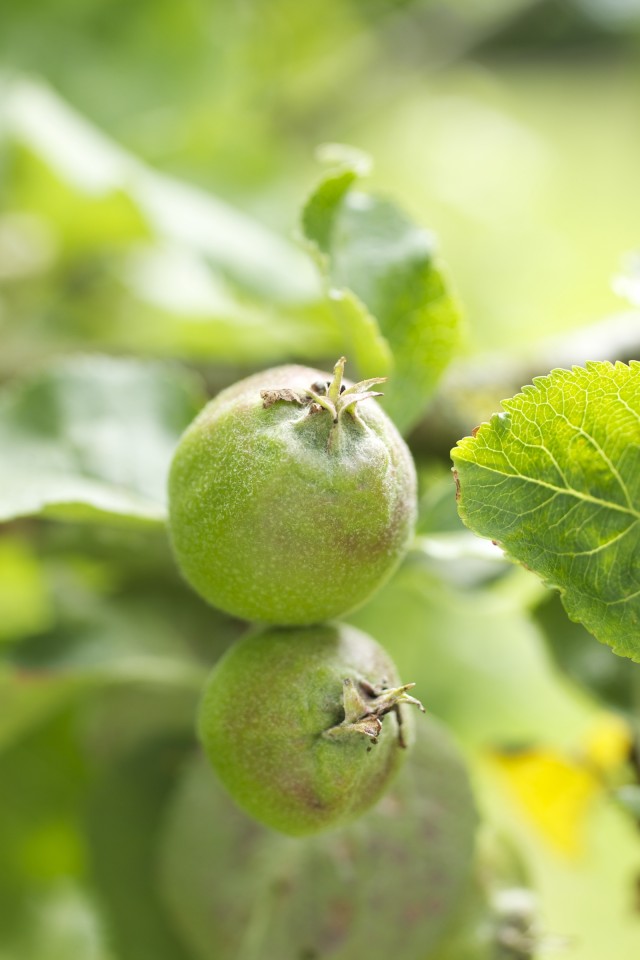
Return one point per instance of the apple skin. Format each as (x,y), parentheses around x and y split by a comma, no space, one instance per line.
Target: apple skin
(279,514)
(265,715)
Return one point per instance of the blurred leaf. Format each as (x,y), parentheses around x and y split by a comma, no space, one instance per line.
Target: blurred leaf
(47,912)
(92,438)
(133,728)
(556,480)
(447,548)
(476,656)
(437,511)
(614,680)
(43,780)
(133,645)
(126,628)
(26,698)
(95,165)
(118,590)
(239,890)
(180,306)
(24,597)
(371,349)
(29,696)
(388,290)
(629,797)
(82,220)
(64,924)
(140,261)
(125,810)
(460,558)
(627,283)
(255,259)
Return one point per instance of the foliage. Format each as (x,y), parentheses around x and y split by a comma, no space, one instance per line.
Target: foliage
(387,289)
(556,480)
(70,457)
(152,163)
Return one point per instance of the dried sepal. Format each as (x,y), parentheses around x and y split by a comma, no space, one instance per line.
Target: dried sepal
(331,395)
(365,707)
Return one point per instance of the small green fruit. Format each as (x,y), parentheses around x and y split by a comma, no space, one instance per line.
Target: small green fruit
(388,885)
(290,500)
(294,721)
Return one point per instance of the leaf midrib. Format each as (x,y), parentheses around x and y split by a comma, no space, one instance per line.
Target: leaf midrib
(568,491)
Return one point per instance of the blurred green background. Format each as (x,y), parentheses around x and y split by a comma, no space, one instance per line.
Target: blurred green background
(509,128)
(153,161)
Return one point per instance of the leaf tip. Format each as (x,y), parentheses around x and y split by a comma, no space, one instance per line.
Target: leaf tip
(344,155)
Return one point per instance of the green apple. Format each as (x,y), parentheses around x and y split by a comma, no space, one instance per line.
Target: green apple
(305,726)
(292,497)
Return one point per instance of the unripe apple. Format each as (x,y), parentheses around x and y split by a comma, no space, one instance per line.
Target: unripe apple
(292,497)
(305,727)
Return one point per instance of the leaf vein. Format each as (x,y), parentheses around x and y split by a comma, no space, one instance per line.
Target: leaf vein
(568,491)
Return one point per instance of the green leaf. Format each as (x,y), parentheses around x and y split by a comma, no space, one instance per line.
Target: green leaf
(125,808)
(81,221)
(555,479)
(24,598)
(387,287)
(26,699)
(48,910)
(629,797)
(615,681)
(91,165)
(43,782)
(101,248)
(28,695)
(64,923)
(627,282)
(475,656)
(92,438)
(146,638)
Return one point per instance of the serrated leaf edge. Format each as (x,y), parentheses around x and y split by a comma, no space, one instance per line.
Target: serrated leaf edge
(508,406)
